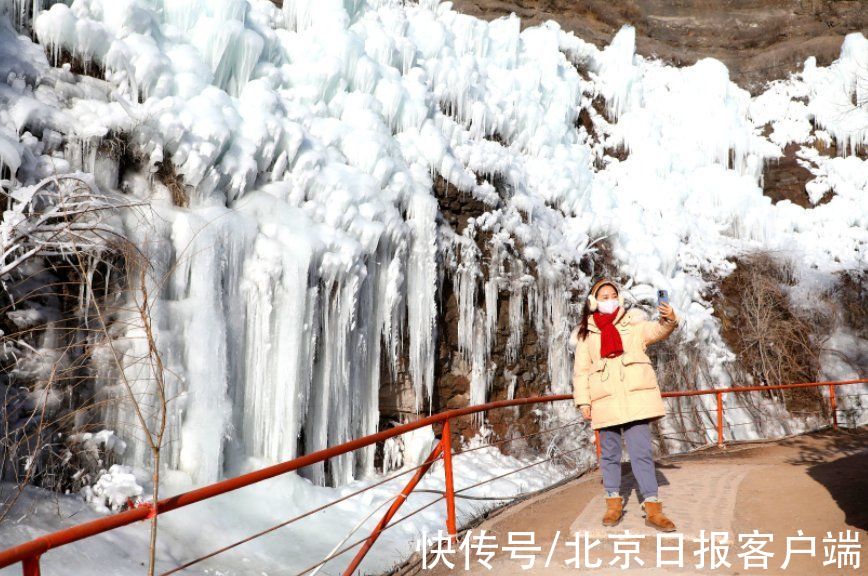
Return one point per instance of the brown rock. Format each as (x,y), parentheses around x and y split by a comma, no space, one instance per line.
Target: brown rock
(758,40)
(785,179)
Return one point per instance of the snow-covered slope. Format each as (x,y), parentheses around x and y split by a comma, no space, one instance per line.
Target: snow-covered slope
(290,549)
(308,140)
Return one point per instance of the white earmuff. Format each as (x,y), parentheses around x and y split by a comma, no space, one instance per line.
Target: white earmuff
(592,302)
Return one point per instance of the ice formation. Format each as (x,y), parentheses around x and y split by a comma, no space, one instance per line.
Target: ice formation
(308,140)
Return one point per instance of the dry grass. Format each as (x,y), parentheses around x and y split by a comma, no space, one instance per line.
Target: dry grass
(852,297)
(119,146)
(775,343)
(170,178)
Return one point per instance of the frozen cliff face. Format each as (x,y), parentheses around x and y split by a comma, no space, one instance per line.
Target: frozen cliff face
(297,246)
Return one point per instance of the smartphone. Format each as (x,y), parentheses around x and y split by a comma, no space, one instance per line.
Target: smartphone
(662,297)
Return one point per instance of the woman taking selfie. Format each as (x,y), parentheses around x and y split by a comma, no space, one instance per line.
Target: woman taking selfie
(615,386)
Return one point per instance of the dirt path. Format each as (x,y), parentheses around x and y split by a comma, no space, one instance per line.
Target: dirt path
(815,483)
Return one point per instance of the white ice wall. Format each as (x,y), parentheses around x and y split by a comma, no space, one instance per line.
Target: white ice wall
(309,139)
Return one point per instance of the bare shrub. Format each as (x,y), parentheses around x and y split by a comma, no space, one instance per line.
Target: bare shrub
(73,287)
(169,177)
(852,298)
(775,342)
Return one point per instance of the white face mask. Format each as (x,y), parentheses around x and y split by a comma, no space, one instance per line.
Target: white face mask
(607,306)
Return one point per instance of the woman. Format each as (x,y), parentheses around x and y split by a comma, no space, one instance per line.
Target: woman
(615,387)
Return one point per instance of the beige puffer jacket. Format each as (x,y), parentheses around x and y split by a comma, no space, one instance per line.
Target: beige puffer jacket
(624,388)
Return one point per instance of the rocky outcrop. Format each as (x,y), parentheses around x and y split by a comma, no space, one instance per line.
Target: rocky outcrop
(758,40)
(524,375)
(520,373)
(785,179)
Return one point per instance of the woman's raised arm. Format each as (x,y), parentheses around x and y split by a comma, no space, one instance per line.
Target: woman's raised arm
(657,330)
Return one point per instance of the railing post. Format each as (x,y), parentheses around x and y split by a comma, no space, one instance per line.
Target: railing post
(450,484)
(834,406)
(30,566)
(399,499)
(719,396)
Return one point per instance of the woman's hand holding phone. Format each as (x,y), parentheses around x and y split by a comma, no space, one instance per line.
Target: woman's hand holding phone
(666,312)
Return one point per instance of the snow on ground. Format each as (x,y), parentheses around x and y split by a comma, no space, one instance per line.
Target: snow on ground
(288,550)
(309,139)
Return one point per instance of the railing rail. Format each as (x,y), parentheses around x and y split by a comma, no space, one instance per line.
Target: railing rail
(29,553)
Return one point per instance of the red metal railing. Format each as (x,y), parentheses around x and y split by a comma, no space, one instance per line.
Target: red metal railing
(29,553)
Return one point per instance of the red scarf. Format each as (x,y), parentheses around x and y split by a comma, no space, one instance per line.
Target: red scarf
(610,339)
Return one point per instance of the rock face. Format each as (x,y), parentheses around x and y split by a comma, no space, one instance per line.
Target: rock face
(785,179)
(758,40)
(523,376)
(522,373)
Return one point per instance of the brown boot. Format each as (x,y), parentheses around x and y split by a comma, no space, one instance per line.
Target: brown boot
(655,518)
(614,511)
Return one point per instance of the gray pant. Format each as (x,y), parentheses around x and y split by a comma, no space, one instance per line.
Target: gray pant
(637,434)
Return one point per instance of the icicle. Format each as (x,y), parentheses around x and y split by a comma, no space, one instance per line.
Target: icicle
(303,14)
(516,323)
(510,384)
(10,156)
(617,71)
(557,314)
(278,341)
(55,27)
(465,293)
(421,284)
(394,306)
(373,301)
(479,374)
(207,414)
